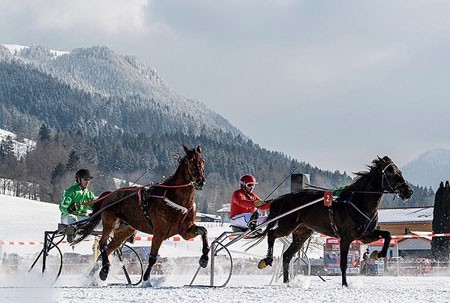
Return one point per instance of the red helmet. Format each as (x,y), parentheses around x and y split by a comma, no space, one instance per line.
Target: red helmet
(247,179)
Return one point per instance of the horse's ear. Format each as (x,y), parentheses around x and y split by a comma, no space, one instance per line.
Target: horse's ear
(376,161)
(186,150)
(199,149)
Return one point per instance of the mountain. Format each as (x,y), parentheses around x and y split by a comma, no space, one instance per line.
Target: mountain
(91,107)
(429,169)
(141,99)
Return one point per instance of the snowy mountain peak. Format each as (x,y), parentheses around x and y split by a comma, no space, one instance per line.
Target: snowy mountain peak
(436,157)
(16,49)
(429,169)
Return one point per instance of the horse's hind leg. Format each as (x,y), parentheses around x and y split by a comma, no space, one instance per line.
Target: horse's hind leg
(110,222)
(120,235)
(269,256)
(299,237)
(103,246)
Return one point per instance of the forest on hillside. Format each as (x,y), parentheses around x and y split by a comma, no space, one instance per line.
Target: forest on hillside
(45,171)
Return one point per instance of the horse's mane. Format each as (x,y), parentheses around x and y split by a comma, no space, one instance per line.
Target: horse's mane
(373,166)
(179,159)
(370,167)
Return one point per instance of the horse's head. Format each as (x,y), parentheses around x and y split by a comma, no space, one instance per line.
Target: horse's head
(195,167)
(392,178)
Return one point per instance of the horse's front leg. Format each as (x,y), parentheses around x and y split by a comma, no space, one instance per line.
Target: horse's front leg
(375,236)
(344,248)
(194,231)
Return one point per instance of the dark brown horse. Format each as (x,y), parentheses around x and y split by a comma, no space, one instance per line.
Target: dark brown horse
(164,210)
(353,215)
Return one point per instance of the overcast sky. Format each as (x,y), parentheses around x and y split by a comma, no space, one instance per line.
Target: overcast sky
(333,83)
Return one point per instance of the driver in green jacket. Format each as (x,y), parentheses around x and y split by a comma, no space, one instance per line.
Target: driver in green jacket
(72,201)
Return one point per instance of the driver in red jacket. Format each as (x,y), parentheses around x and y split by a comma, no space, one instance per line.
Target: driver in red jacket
(244,203)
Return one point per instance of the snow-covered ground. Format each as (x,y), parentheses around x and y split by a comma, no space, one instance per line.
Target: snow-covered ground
(24,220)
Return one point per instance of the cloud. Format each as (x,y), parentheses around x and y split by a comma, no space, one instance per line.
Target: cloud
(322,69)
(110,17)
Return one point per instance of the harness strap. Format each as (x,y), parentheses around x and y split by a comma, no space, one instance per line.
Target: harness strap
(332,222)
(185,216)
(176,206)
(369,220)
(144,206)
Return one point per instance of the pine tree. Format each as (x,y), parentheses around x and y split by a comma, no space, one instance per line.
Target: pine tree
(440,246)
(44,134)
(73,161)
(6,147)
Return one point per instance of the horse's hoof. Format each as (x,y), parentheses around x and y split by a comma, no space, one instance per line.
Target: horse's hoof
(103,274)
(269,261)
(374,255)
(147,274)
(262,264)
(203,261)
(146,283)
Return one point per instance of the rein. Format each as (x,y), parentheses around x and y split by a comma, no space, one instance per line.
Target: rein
(139,188)
(108,206)
(353,191)
(174,186)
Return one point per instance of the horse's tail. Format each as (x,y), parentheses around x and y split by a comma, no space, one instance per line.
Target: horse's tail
(86,229)
(258,238)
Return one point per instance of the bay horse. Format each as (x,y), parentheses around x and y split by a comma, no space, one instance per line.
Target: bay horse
(353,215)
(163,210)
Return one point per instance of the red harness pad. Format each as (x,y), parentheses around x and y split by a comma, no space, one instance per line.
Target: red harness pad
(328,198)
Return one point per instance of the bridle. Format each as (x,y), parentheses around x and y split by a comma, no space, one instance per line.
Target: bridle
(194,180)
(389,189)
